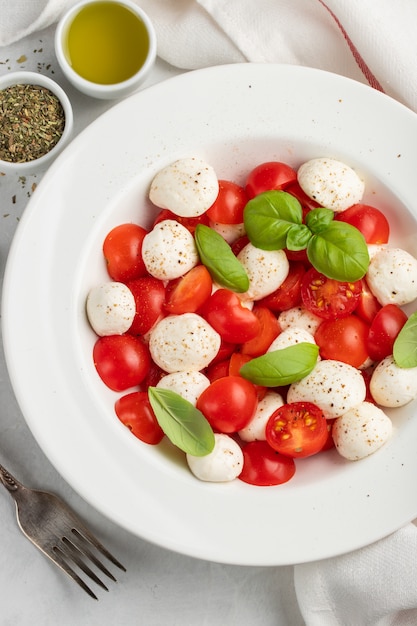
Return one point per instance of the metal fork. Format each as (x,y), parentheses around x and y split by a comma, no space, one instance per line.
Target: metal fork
(55,529)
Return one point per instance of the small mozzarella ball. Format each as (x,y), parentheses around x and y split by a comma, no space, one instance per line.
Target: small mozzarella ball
(266,270)
(187,187)
(255,430)
(374,248)
(361,431)
(334,386)
(299,317)
(291,336)
(224,463)
(392,276)
(110,308)
(331,183)
(393,386)
(169,250)
(189,384)
(183,342)
(229,232)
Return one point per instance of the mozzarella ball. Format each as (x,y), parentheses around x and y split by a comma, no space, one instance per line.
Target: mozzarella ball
(224,463)
(361,431)
(331,183)
(169,250)
(110,308)
(334,386)
(266,270)
(229,232)
(189,384)
(393,386)
(184,342)
(187,187)
(255,430)
(291,336)
(392,276)
(299,317)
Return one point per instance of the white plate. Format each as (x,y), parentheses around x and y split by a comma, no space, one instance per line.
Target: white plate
(234,117)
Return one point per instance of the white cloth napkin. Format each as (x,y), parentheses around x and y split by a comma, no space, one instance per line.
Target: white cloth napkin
(373,41)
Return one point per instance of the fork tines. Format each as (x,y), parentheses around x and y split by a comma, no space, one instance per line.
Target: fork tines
(75,549)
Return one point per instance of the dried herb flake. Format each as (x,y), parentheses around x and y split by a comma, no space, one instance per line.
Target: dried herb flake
(32,121)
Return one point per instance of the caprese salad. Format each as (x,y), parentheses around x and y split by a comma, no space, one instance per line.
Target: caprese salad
(257,324)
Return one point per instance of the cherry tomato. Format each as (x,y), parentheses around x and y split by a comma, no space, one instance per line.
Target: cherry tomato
(229,204)
(264,467)
(225,313)
(267,176)
(344,340)
(228,403)
(217,370)
(306,202)
(369,220)
(328,298)
(225,351)
(269,330)
(288,295)
(190,223)
(188,293)
(368,306)
(122,361)
(122,249)
(384,329)
(239,244)
(134,411)
(149,294)
(297,429)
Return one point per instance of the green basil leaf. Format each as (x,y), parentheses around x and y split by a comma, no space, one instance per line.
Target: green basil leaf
(223,265)
(319,219)
(182,422)
(298,237)
(281,367)
(269,216)
(405,345)
(339,252)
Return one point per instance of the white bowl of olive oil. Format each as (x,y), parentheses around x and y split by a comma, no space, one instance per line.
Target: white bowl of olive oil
(105,48)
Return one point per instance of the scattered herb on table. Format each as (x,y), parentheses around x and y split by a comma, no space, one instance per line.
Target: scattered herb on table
(32,121)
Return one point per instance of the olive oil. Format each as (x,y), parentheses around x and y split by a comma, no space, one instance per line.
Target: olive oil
(106,43)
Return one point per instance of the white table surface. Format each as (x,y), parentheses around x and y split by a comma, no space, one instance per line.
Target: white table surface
(160,588)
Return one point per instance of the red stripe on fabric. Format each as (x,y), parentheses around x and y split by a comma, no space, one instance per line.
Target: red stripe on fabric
(370,77)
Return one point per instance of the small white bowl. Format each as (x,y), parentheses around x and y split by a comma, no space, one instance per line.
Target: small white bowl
(41,163)
(97,89)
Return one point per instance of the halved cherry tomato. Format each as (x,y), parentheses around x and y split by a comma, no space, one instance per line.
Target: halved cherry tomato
(234,322)
(264,467)
(189,292)
(269,330)
(328,298)
(134,411)
(229,204)
(122,249)
(228,403)
(329,443)
(122,361)
(297,429)
(344,339)
(190,223)
(368,220)
(239,244)
(267,176)
(149,295)
(288,295)
(384,329)
(368,306)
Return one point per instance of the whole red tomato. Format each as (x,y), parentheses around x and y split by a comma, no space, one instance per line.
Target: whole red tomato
(228,403)
(122,249)
(134,411)
(264,467)
(122,361)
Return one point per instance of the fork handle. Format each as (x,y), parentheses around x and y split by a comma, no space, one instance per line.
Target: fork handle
(8,480)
